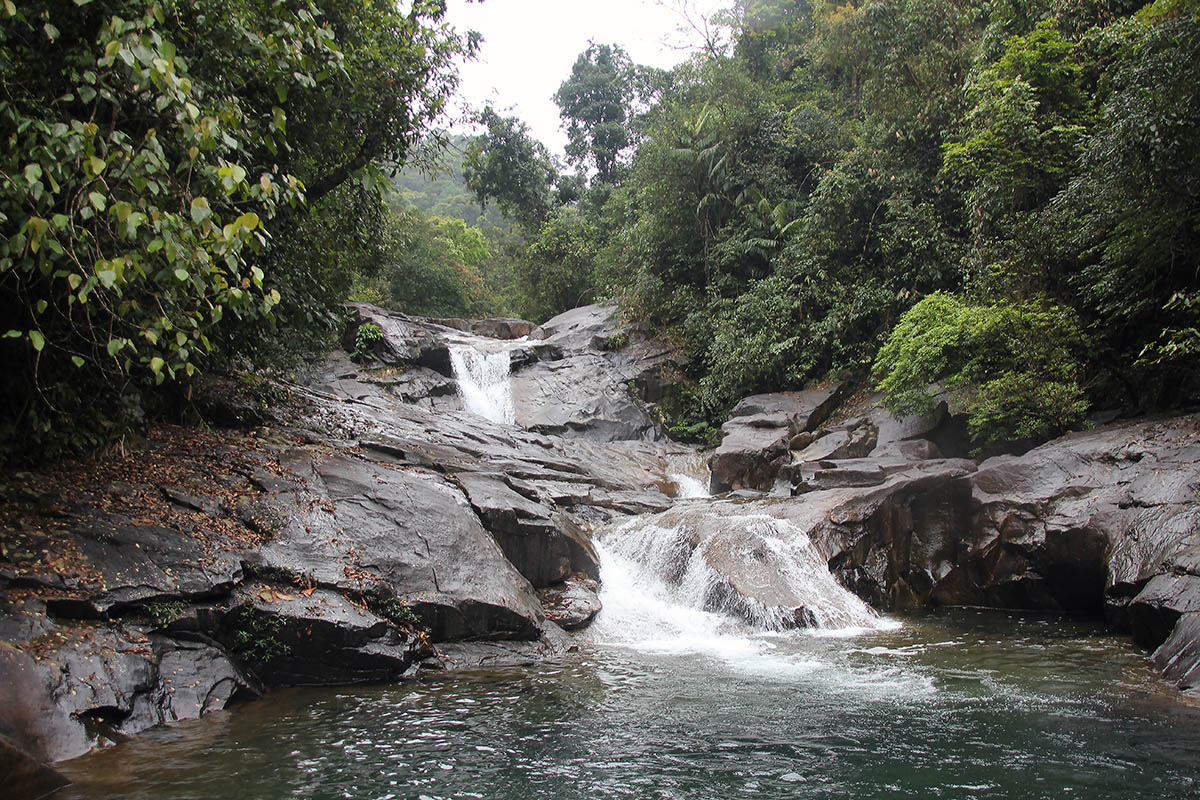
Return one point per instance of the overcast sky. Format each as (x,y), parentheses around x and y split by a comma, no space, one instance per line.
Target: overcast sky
(530,46)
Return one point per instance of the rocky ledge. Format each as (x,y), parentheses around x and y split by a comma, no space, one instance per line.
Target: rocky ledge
(365,528)
(1106,521)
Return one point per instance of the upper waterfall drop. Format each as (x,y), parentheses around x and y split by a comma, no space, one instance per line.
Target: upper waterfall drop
(485,382)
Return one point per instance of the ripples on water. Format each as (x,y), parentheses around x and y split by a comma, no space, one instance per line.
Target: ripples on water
(959,705)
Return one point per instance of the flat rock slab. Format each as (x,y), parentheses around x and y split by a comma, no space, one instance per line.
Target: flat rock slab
(407,535)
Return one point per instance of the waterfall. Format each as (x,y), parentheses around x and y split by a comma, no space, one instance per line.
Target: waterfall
(689,473)
(693,580)
(484,382)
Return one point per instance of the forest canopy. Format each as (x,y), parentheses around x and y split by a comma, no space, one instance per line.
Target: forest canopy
(997,200)
(843,177)
(173,191)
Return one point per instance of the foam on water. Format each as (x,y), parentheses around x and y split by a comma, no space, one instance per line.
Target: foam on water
(658,595)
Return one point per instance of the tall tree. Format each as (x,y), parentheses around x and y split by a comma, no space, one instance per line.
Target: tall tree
(595,103)
(145,182)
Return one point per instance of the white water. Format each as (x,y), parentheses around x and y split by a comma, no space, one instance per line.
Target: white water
(484,382)
(661,594)
(690,475)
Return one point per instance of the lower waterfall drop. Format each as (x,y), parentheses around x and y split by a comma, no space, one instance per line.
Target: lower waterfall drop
(484,382)
(698,581)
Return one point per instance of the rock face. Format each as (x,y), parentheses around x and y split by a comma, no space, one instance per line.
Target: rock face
(579,382)
(755,441)
(572,376)
(1104,521)
(372,530)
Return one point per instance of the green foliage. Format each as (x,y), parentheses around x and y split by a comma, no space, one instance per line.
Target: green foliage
(365,338)
(1129,224)
(558,274)
(509,166)
(1014,369)
(594,103)
(166,612)
(256,636)
(437,266)
(1181,343)
(152,184)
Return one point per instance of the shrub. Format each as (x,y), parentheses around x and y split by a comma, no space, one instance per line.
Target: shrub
(1013,368)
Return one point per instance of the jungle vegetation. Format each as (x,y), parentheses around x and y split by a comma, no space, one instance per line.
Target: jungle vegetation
(1000,200)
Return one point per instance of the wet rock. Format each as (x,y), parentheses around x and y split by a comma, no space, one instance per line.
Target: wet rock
(748,457)
(544,546)
(25,777)
(493,328)
(1179,656)
(403,534)
(93,684)
(1156,610)
(139,564)
(303,638)
(572,604)
(756,439)
(580,385)
(194,678)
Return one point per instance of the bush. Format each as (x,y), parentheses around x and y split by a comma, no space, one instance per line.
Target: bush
(1013,368)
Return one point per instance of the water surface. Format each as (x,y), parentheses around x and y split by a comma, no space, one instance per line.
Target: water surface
(950,705)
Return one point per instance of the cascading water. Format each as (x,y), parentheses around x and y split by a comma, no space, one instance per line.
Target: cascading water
(484,382)
(692,580)
(690,475)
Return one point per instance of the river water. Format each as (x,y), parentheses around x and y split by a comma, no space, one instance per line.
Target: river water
(957,704)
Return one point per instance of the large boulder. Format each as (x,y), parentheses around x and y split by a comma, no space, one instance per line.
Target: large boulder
(755,441)
(402,535)
(579,385)
(545,547)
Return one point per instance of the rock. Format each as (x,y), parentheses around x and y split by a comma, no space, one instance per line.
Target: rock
(141,564)
(195,678)
(579,386)
(30,719)
(493,328)
(295,638)
(394,533)
(857,442)
(750,453)
(808,408)
(1156,610)
(1179,656)
(572,604)
(800,440)
(756,439)
(26,776)
(545,547)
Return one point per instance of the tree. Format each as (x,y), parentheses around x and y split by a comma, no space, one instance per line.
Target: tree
(509,166)
(144,183)
(1013,368)
(594,103)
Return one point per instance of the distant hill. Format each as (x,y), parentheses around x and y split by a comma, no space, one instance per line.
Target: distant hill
(444,193)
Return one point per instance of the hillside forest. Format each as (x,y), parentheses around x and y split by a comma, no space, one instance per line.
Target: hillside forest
(996,203)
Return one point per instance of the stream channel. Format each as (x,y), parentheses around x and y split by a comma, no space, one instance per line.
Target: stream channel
(662,698)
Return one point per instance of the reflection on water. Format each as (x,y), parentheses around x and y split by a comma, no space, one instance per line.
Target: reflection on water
(952,705)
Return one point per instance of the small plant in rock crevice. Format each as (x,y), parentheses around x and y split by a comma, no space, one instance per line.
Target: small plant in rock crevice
(166,612)
(365,338)
(256,637)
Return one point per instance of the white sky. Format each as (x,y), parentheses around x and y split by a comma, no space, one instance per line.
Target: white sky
(530,46)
